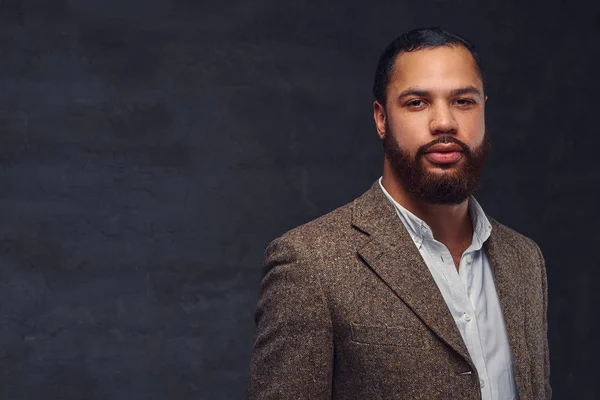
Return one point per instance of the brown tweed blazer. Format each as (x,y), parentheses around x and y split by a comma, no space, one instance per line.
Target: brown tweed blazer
(349,310)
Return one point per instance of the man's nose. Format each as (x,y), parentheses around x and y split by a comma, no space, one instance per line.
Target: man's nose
(442,121)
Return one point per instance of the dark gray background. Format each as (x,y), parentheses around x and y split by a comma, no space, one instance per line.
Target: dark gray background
(150,150)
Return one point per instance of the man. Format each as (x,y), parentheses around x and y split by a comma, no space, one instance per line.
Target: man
(411,291)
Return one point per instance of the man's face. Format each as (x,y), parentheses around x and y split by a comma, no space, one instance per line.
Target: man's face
(433,124)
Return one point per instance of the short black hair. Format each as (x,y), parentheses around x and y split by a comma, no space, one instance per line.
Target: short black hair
(416,39)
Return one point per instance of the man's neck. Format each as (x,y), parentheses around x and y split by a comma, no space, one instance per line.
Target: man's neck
(450,224)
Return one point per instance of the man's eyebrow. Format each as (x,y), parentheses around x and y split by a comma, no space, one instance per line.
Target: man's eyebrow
(411,91)
(465,90)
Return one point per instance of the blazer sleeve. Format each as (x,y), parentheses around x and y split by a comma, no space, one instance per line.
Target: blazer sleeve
(293,348)
(547,387)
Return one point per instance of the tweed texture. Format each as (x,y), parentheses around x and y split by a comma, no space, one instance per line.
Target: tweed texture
(347,309)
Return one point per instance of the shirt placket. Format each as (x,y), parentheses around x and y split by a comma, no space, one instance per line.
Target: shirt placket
(464,310)
(467,271)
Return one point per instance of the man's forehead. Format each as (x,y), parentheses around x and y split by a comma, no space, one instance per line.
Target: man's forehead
(446,66)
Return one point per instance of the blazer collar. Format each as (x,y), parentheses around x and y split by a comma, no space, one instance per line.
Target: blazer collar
(509,279)
(392,255)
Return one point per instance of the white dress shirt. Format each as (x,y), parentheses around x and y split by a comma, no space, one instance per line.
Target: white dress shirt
(471,297)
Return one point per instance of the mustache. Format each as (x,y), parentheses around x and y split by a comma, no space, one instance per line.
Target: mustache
(444,139)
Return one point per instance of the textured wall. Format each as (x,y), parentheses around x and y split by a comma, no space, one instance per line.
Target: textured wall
(149,150)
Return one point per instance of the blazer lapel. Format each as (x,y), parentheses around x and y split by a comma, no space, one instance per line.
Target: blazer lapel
(393,256)
(506,269)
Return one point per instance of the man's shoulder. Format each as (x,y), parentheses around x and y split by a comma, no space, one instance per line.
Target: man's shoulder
(328,234)
(523,244)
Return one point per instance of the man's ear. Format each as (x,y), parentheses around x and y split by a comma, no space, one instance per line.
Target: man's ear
(485,99)
(380,117)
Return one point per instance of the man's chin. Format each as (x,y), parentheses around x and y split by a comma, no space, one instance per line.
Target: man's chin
(425,162)
(442,169)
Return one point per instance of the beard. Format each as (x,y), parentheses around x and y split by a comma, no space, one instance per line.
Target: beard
(453,186)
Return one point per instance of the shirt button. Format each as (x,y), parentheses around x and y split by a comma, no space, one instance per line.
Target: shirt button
(466,317)
(469,258)
(482,383)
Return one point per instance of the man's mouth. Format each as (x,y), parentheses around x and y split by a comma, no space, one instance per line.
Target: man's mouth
(444,153)
(444,157)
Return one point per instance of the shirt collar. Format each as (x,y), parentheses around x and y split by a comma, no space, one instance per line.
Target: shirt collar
(420,231)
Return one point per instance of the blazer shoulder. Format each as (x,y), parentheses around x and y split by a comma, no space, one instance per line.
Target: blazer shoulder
(326,236)
(523,244)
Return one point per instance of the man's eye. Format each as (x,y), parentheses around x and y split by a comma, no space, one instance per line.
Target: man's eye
(464,102)
(415,103)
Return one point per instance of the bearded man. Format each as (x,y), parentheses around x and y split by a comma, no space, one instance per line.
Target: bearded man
(410,291)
